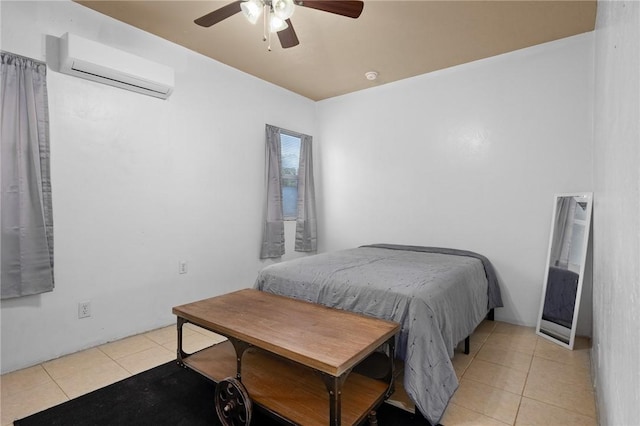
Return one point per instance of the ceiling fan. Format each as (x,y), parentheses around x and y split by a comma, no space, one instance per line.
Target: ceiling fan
(277,13)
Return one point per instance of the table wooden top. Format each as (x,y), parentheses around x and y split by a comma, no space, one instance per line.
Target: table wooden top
(326,339)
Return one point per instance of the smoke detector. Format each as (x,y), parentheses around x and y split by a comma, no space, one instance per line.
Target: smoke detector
(371,75)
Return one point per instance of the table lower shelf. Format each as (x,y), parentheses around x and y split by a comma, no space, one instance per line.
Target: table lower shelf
(294,392)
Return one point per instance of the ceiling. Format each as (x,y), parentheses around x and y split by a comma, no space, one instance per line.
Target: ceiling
(397,39)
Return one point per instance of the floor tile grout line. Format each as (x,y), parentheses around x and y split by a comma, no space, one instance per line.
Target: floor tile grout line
(465,371)
(559,406)
(129,372)
(506,366)
(112,359)
(56,382)
(68,398)
(477,412)
(131,353)
(155,345)
(524,386)
(544,402)
(493,387)
(521,394)
(487,415)
(515,419)
(108,356)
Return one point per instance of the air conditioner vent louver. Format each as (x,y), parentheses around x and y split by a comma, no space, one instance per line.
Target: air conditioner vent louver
(94,61)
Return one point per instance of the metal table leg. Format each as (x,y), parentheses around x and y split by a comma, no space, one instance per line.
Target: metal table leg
(180,353)
(240,348)
(334,387)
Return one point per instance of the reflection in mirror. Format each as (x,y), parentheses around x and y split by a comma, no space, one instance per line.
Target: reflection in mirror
(565,268)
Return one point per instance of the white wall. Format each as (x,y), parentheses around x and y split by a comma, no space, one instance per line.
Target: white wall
(141,183)
(616,282)
(469,157)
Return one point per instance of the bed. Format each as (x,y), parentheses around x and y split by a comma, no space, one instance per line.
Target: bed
(438,295)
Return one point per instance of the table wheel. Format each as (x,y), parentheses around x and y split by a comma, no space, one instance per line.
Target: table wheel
(233,404)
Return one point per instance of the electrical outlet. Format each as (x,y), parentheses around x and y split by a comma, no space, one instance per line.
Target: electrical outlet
(84,310)
(182,267)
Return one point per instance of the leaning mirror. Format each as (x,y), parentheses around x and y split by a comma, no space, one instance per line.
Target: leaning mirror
(565,267)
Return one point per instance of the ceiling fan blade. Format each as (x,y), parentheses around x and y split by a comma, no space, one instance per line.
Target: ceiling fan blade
(288,37)
(219,14)
(349,8)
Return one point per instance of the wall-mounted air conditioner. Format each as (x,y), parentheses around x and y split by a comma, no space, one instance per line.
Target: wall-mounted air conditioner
(94,61)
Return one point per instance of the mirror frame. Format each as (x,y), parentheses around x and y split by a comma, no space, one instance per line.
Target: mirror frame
(588,196)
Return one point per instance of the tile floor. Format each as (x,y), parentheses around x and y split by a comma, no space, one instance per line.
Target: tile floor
(511,376)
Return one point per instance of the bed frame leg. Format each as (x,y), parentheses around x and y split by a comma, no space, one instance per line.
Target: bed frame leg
(490,316)
(466,345)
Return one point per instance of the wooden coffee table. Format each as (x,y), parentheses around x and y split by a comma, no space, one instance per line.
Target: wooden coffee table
(293,357)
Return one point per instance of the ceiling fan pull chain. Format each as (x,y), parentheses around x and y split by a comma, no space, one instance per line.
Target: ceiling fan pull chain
(264,22)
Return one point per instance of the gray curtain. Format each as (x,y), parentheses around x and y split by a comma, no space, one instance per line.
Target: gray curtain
(273,228)
(27,222)
(306,233)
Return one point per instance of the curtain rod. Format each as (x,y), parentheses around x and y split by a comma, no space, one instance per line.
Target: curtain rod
(24,57)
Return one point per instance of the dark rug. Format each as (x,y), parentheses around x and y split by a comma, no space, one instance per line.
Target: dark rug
(165,395)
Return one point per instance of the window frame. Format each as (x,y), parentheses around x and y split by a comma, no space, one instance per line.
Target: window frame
(288,218)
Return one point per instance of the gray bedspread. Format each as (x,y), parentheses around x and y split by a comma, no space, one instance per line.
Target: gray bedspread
(438,296)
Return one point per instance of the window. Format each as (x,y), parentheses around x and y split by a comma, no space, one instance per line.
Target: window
(289,192)
(289,162)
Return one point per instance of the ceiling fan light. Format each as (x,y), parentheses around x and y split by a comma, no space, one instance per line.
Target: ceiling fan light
(276,24)
(283,8)
(251,9)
